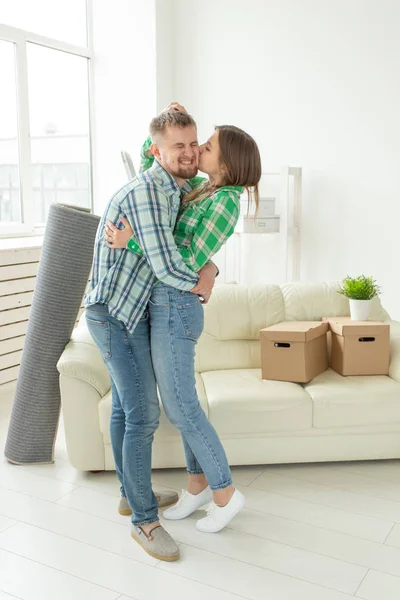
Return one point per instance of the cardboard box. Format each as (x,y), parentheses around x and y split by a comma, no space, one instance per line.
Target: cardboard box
(261,224)
(359,347)
(294,351)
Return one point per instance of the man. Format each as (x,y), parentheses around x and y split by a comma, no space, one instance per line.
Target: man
(121,285)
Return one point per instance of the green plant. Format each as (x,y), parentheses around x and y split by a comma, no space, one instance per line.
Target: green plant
(359,288)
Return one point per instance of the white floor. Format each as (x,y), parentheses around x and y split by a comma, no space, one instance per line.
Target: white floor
(309,532)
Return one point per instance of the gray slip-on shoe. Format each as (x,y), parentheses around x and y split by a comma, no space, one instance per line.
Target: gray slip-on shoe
(158,543)
(124,508)
(166,498)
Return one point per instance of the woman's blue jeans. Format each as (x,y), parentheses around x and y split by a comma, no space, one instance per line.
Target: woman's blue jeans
(176,323)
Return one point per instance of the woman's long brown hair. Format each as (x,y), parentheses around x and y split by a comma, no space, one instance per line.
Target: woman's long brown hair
(240,156)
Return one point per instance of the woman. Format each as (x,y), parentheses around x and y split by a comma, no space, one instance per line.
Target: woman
(207,218)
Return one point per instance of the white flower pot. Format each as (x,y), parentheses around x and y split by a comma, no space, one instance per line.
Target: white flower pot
(360,309)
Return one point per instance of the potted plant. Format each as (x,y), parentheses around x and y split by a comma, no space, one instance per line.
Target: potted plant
(360,291)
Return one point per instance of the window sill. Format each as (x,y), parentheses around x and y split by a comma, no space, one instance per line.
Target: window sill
(18,230)
(20,243)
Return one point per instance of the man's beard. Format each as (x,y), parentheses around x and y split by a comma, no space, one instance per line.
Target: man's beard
(185,172)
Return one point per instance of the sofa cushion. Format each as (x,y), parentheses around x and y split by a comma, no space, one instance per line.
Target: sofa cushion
(353,401)
(238,312)
(165,431)
(232,322)
(305,301)
(240,402)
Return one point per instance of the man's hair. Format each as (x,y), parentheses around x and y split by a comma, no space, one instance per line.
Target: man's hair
(171,118)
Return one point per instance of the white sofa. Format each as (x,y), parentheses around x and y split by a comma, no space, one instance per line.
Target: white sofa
(260,422)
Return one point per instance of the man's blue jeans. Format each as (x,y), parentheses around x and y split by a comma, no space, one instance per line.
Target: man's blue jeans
(135,407)
(176,321)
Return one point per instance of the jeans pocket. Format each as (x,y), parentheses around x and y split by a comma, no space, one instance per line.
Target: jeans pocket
(192,317)
(100,331)
(159,299)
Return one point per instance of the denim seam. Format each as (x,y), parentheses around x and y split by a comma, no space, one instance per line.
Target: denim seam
(115,408)
(139,438)
(190,334)
(146,522)
(105,325)
(194,472)
(221,486)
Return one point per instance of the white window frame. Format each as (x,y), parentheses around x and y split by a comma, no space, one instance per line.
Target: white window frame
(21,38)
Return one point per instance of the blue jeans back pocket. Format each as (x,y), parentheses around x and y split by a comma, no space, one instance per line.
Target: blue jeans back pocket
(192,317)
(101,333)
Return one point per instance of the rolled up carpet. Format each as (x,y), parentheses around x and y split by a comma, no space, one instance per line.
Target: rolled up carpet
(63,273)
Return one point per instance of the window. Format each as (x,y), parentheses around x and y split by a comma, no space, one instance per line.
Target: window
(44,112)
(59,123)
(10,198)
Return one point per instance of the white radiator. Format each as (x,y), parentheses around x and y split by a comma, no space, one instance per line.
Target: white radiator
(19,262)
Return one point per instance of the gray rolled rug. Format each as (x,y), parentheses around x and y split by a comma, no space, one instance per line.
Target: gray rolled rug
(64,269)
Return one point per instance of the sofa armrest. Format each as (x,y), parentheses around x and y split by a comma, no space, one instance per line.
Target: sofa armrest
(84,381)
(83,436)
(81,359)
(394,328)
(394,365)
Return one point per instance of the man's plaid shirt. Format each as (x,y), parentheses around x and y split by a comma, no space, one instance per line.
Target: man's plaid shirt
(124,280)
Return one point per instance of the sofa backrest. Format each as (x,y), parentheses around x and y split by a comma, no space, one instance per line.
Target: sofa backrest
(236,313)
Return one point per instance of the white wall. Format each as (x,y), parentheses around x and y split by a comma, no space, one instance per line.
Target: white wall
(317,83)
(165,53)
(124,39)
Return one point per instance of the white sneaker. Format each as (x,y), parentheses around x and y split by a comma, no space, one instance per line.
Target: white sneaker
(187,504)
(219,516)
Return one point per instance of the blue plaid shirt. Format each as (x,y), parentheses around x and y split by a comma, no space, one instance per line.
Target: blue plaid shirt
(124,280)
